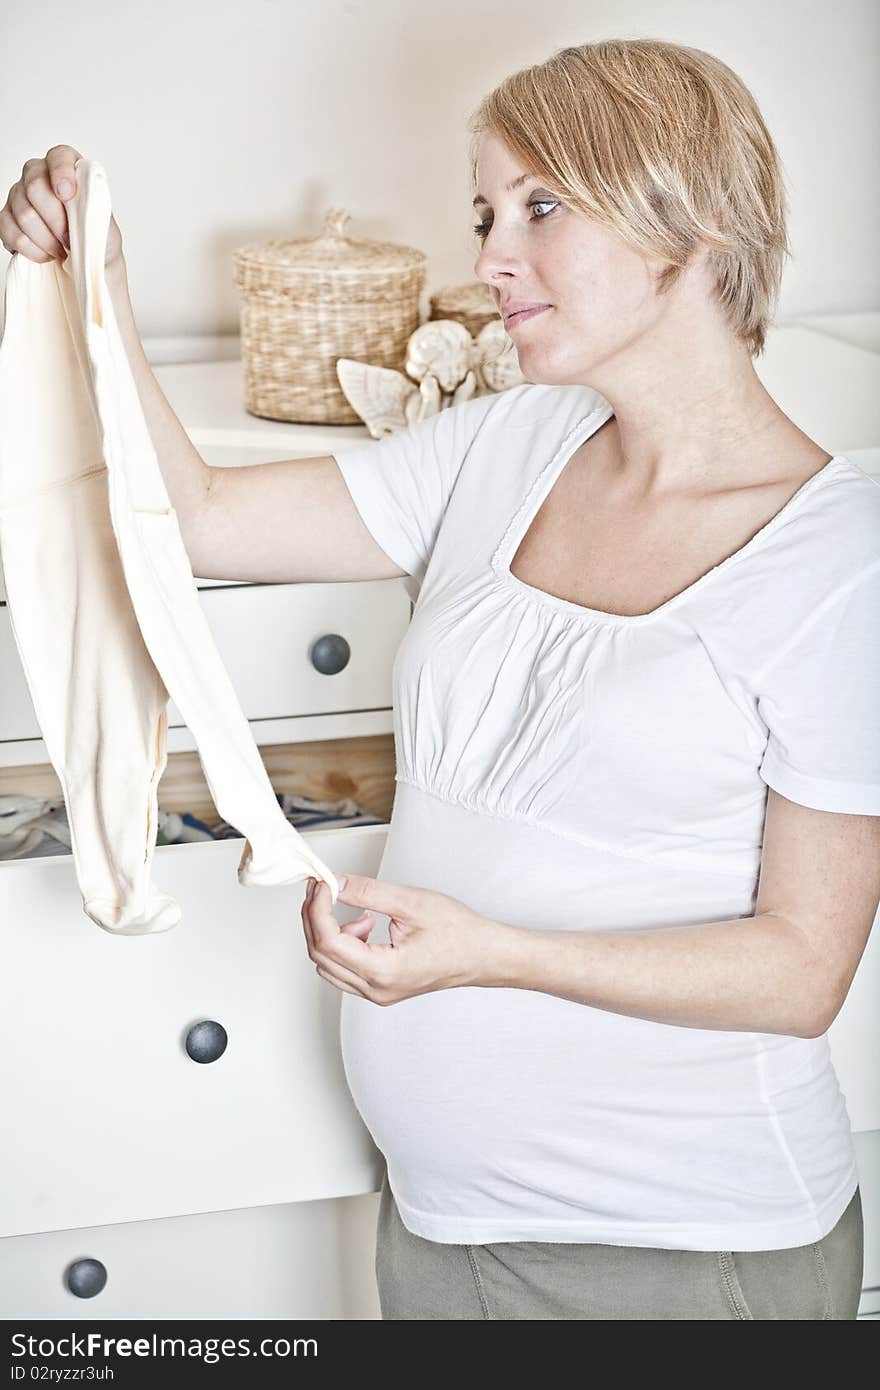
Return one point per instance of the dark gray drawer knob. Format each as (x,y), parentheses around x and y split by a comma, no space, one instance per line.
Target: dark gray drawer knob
(206,1041)
(85,1278)
(330,654)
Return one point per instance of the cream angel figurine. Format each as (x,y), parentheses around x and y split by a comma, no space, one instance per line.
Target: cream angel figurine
(444,366)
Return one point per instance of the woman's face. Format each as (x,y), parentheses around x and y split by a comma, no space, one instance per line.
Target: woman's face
(538,250)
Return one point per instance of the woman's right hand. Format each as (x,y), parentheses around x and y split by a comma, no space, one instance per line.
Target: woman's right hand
(33,221)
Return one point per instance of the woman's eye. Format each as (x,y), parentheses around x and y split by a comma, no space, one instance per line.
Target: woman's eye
(482,229)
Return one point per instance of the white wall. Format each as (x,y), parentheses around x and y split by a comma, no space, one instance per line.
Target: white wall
(220,123)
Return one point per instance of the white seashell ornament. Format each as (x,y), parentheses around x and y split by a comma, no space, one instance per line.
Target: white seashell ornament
(446,362)
(442,347)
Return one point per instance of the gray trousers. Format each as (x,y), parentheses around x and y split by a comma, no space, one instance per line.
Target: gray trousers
(426,1279)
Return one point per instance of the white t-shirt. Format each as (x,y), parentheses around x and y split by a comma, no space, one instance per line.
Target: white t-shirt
(563,768)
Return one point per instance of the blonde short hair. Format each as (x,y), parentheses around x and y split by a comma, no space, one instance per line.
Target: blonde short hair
(665,145)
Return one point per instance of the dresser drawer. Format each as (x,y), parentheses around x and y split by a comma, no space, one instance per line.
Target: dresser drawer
(299,1260)
(267,636)
(113,1119)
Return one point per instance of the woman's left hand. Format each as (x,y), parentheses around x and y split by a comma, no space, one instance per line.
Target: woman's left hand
(436,942)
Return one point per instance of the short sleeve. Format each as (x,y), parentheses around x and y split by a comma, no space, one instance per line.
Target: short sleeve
(820,699)
(401,484)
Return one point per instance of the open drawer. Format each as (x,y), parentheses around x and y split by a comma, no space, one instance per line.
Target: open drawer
(110,1118)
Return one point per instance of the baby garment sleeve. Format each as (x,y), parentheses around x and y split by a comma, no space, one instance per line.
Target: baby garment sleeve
(820,696)
(401,483)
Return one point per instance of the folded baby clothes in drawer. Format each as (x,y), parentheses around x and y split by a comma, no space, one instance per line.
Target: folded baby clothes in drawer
(101,597)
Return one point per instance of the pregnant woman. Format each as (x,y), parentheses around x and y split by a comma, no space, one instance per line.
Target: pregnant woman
(634,855)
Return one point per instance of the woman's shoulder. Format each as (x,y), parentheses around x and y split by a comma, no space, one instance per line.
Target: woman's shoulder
(812,575)
(832,529)
(532,403)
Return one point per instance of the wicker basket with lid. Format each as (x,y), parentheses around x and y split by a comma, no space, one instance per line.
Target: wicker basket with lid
(306,303)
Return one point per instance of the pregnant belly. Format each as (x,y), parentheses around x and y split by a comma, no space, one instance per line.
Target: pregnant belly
(461,1074)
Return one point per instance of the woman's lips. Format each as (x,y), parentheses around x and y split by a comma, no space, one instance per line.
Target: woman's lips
(525,314)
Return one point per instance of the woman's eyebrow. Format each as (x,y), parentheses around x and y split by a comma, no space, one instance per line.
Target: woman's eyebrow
(508,188)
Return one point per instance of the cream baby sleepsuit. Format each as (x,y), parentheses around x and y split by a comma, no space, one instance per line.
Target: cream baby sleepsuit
(103,604)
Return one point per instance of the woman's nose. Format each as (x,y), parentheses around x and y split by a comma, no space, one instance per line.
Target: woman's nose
(493,261)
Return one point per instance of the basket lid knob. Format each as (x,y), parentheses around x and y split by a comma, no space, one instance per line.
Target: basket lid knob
(334,222)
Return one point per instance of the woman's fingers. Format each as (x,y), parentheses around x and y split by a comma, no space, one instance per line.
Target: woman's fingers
(60,161)
(38,210)
(359,926)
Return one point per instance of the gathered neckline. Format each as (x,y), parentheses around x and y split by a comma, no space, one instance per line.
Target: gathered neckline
(540,489)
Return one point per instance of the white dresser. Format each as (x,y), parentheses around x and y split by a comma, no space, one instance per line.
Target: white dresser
(180,1138)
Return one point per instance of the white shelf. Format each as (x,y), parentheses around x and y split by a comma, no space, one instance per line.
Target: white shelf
(208,399)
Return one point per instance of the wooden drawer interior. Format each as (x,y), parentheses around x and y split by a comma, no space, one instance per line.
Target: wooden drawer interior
(327,770)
